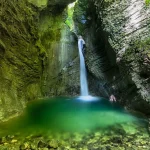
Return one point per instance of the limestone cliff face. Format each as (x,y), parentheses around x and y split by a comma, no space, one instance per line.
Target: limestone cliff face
(117,37)
(61,74)
(128,34)
(25,58)
(20,64)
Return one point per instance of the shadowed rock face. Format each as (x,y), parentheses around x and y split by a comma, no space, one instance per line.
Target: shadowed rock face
(23,52)
(128,34)
(20,60)
(117,37)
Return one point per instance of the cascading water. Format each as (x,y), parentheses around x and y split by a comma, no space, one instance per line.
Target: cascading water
(83,76)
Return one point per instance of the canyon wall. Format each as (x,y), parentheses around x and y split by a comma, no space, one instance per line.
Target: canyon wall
(32,34)
(117,37)
(20,61)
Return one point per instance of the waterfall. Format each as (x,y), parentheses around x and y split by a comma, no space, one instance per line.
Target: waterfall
(83,75)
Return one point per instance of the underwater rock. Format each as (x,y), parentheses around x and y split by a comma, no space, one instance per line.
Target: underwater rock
(95,140)
(53,144)
(117,139)
(42,144)
(25,146)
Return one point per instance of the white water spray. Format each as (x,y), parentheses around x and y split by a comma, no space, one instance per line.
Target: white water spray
(83,75)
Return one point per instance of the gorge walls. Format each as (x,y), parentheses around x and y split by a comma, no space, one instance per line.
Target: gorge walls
(61,70)
(32,51)
(117,37)
(127,25)
(20,64)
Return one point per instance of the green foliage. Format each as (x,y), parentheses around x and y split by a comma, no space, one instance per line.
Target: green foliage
(137,50)
(147,2)
(42,51)
(69,20)
(107,3)
(2,44)
(79,11)
(39,3)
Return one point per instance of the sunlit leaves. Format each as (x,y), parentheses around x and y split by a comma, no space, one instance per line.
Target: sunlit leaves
(147,2)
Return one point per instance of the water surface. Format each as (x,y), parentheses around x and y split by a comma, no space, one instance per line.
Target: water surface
(64,114)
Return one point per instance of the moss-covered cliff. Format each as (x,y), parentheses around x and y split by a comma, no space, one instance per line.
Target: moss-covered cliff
(30,51)
(61,49)
(20,64)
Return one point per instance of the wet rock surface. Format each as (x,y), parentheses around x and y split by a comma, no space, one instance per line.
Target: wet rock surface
(20,63)
(119,137)
(31,55)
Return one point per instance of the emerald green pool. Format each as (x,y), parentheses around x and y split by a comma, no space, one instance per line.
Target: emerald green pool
(70,115)
(61,116)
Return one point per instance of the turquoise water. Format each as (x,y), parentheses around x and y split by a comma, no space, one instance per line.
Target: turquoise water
(64,114)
